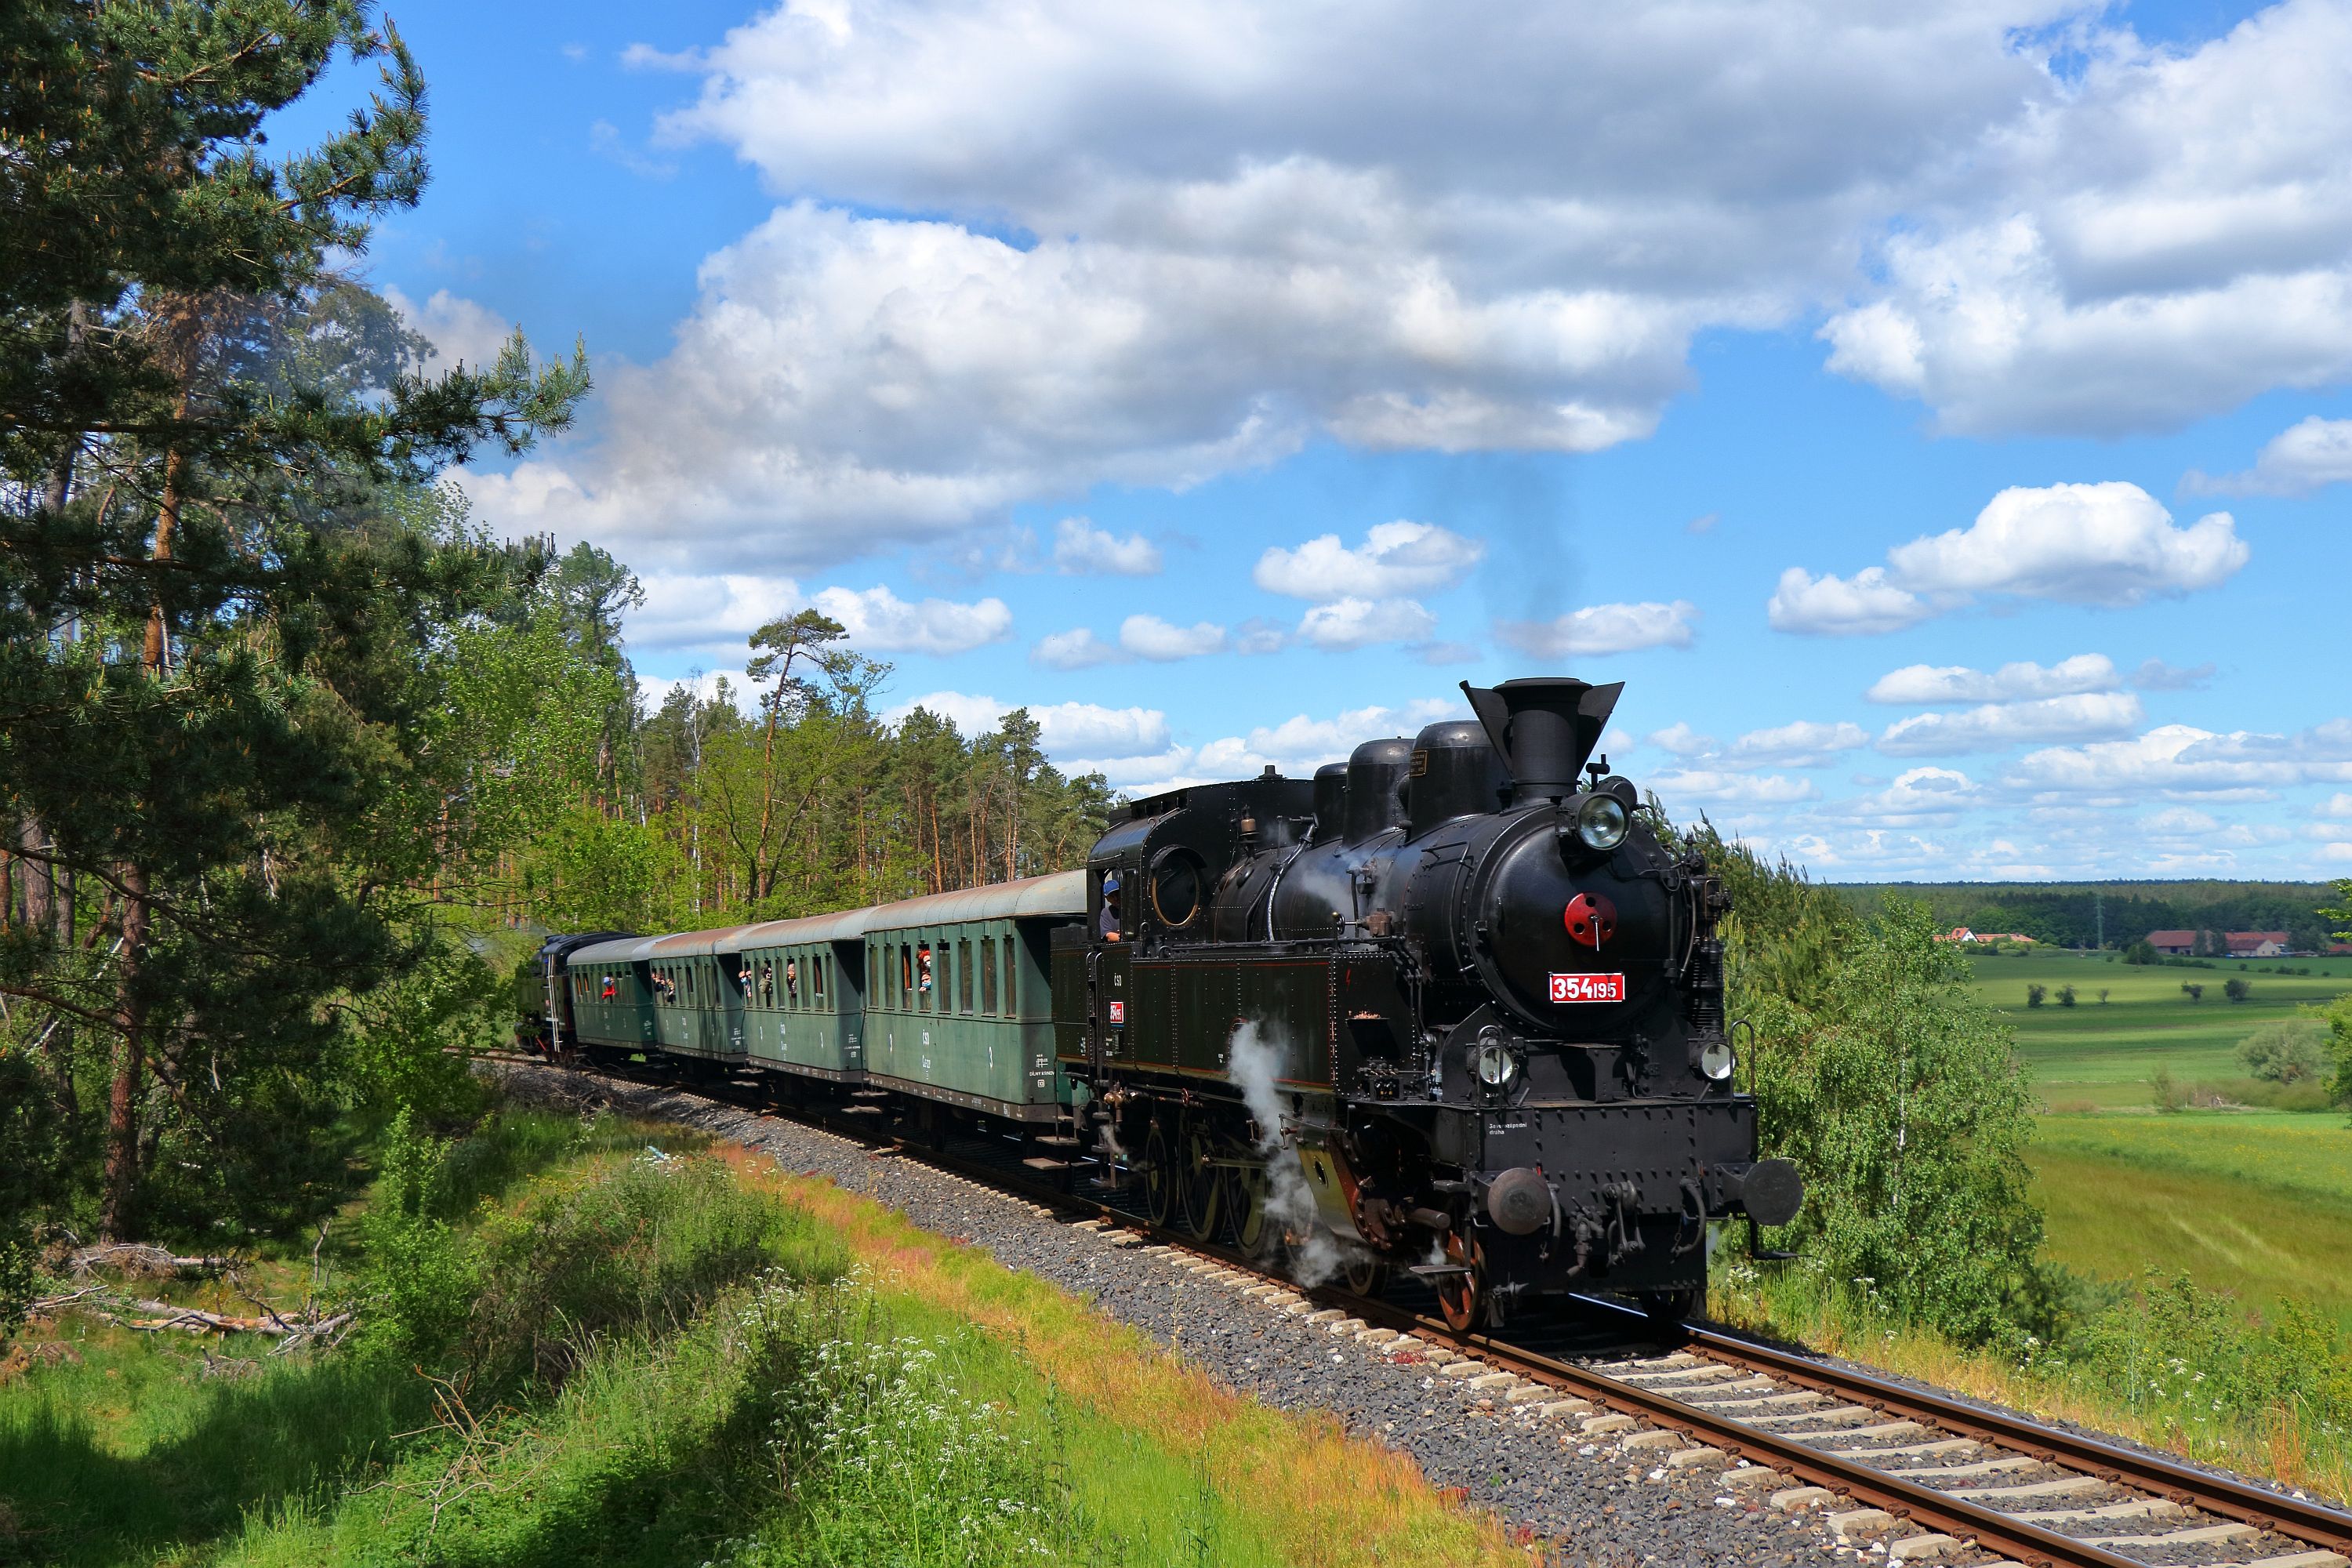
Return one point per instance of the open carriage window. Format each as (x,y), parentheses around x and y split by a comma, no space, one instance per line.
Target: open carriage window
(987,975)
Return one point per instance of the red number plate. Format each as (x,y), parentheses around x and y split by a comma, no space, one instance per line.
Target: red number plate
(1588,988)
(1119,1012)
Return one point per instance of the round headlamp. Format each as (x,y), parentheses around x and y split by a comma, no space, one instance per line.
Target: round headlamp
(1600,823)
(1495,1064)
(1716,1060)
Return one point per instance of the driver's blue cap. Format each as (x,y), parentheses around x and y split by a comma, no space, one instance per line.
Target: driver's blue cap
(1110,883)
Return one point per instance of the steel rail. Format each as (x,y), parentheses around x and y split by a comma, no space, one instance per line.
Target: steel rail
(2298,1518)
(2021,1540)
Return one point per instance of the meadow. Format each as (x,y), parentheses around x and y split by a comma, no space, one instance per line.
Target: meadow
(2129,1020)
(2257,1202)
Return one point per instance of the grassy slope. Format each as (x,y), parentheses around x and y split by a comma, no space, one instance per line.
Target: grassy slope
(134,1457)
(2257,1203)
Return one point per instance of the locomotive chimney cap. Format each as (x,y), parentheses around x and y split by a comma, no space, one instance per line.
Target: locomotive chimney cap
(1544,728)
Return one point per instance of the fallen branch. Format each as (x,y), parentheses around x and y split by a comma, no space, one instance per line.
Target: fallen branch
(139,1258)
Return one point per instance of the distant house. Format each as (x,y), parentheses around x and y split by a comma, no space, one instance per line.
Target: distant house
(2173,944)
(1962,933)
(2257,943)
(2339,949)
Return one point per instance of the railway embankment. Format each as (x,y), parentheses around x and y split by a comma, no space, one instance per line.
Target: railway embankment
(1557,1473)
(599,1340)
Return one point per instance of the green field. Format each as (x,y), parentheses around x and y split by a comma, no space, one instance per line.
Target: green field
(2257,1203)
(2104,1054)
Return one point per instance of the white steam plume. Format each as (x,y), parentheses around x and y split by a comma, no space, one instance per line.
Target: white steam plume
(1252,1061)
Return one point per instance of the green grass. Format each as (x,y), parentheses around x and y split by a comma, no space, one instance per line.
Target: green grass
(704,1360)
(2104,1055)
(2256,1202)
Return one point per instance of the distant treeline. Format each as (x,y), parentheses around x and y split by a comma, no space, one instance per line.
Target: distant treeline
(2069,913)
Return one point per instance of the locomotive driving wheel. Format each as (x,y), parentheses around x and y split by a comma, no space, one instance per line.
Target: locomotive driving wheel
(1365,1273)
(1202,1183)
(1250,1229)
(1462,1298)
(1159,1176)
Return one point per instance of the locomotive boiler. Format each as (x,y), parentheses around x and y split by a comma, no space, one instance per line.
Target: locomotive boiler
(1449,1007)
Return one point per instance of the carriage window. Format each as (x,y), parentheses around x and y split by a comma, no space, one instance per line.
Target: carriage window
(906,976)
(963,976)
(816,973)
(1012,997)
(987,975)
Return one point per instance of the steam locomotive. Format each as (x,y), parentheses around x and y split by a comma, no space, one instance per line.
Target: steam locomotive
(1449,1007)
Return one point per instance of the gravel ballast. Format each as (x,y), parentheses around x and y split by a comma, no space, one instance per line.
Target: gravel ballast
(1613,1496)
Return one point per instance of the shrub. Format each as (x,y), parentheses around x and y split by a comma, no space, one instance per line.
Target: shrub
(644,1246)
(2168,1094)
(2140,952)
(2065,996)
(2237,990)
(2195,992)
(2034,993)
(2192,1355)
(1900,1097)
(2338,1018)
(416,1278)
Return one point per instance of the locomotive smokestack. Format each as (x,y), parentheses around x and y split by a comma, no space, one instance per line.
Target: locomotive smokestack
(1543,728)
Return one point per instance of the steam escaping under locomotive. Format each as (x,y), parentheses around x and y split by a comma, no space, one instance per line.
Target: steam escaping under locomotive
(1449,1007)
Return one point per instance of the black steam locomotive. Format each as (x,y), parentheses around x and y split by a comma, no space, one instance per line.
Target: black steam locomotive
(1450,1007)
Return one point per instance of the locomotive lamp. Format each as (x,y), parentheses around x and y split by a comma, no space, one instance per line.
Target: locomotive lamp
(1495,1063)
(1600,823)
(1716,1059)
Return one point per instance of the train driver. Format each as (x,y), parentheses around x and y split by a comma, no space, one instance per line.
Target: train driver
(1108,926)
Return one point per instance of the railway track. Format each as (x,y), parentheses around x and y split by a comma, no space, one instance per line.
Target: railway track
(1918,1474)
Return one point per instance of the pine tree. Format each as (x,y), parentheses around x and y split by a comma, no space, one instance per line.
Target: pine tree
(209,600)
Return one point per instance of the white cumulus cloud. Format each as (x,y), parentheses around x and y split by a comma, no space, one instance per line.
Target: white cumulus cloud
(1080,548)
(1706,786)
(1603,630)
(1929,685)
(1803,744)
(877,618)
(2084,716)
(1396,559)
(1348,624)
(1164,242)
(1148,636)
(710,614)
(1075,649)
(1919,796)
(1069,731)
(2107,544)
(461,330)
(1828,606)
(2297,461)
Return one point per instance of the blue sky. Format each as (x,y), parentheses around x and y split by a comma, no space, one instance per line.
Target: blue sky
(1073,355)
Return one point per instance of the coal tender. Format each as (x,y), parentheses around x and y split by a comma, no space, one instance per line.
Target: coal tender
(1450,1009)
